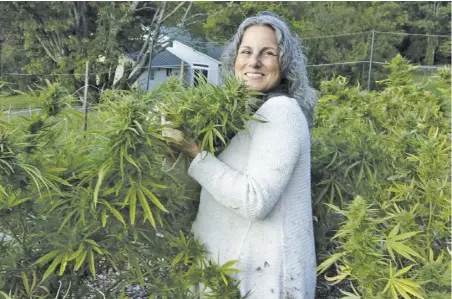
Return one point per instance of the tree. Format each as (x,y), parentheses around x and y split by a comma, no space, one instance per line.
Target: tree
(428,18)
(153,42)
(12,58)
(311,20)
(60,36)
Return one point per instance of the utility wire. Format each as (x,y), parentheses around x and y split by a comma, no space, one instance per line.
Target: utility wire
(414,34)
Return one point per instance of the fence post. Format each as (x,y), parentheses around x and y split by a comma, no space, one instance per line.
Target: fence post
(370,60)
(29,109)
(85,97)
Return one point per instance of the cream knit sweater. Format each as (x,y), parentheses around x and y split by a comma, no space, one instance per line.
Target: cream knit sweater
(255,204)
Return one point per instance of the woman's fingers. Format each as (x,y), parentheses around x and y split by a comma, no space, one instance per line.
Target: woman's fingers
(175,135)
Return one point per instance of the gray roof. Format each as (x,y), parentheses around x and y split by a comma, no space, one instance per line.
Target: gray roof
(166,58)
(163,59)
(214,51)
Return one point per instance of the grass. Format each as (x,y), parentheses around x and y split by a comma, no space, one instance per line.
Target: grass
(423,78)
(16,102)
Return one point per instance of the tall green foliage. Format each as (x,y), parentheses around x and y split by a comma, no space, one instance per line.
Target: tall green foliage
(382,184)
(208,113)
(75,204)
(79,205)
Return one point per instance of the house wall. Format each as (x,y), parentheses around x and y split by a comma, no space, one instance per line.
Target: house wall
(160,76)
(193,57)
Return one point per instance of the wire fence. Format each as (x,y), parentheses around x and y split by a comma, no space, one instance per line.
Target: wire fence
(361,56)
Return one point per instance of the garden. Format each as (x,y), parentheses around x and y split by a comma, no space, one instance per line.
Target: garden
(95,213)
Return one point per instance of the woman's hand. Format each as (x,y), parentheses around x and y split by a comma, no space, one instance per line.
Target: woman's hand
(188,147)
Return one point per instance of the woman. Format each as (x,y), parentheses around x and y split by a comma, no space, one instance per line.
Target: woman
(255,203)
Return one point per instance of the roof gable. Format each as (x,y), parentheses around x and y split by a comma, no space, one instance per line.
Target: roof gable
(166,58)
(162,59)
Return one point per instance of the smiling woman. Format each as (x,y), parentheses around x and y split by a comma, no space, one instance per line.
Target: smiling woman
(255,203)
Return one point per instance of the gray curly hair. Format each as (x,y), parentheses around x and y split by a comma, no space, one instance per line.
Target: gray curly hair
(292,61)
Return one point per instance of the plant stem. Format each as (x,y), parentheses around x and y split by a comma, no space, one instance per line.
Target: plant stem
(15,237)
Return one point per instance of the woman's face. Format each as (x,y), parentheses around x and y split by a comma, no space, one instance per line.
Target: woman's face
(257,61)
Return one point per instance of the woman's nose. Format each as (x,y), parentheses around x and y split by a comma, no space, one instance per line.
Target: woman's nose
(254,60)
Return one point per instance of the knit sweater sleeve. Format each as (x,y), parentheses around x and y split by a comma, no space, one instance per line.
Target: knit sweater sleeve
(274,150)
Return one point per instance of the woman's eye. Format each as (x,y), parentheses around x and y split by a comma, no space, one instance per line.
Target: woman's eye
(269,53)
(246,52)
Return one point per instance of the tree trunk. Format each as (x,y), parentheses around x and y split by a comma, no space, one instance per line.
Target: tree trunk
(432,41)
(432,45)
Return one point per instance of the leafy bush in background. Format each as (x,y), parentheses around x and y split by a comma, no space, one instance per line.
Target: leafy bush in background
(381,186)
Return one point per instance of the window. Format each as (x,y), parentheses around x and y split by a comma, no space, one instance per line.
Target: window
(152,75)
(198,74)
(169,72)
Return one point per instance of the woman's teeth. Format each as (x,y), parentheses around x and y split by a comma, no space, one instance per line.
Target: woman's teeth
(254,75)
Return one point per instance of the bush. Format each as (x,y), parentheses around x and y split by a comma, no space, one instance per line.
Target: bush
(79,206)
(85,214)
(382,185)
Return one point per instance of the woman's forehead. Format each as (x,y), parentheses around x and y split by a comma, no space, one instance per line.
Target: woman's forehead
(259,35)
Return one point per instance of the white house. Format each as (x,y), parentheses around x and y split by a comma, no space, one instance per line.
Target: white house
(178,58)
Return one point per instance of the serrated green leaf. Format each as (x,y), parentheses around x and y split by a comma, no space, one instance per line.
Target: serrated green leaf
(177,259)
(92,242)
(115,213)
(47,257)
(403,271)
(25,283)
(103,218)
(66,219)
(404,236)
(80,259)
(146,208)
(102,171)
(92,266)
(74,255)
(63,266)
(218,134)
(154,199)
(326,264)
(133,206)
(229,264)
(52,267)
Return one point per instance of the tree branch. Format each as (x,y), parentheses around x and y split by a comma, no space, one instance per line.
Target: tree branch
(148,54)
(146,43)
(172,12)
(45,48)
(184,18)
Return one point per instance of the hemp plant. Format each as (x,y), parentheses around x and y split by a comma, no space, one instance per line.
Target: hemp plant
(209,113)
(76,204)
(381,186)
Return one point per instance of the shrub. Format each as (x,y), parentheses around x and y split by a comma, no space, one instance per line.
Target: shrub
(382,184)
(77,206)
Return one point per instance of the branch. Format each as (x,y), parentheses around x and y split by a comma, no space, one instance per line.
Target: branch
(146,43)
(134,5)
(186,13)
(145,8)
(185,21)
(45,48)
(155,34)
(171,13)
(196,15)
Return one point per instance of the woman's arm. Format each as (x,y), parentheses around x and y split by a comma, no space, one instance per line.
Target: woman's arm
(274,151)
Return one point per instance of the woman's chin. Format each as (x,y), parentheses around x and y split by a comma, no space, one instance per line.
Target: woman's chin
(254,87)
